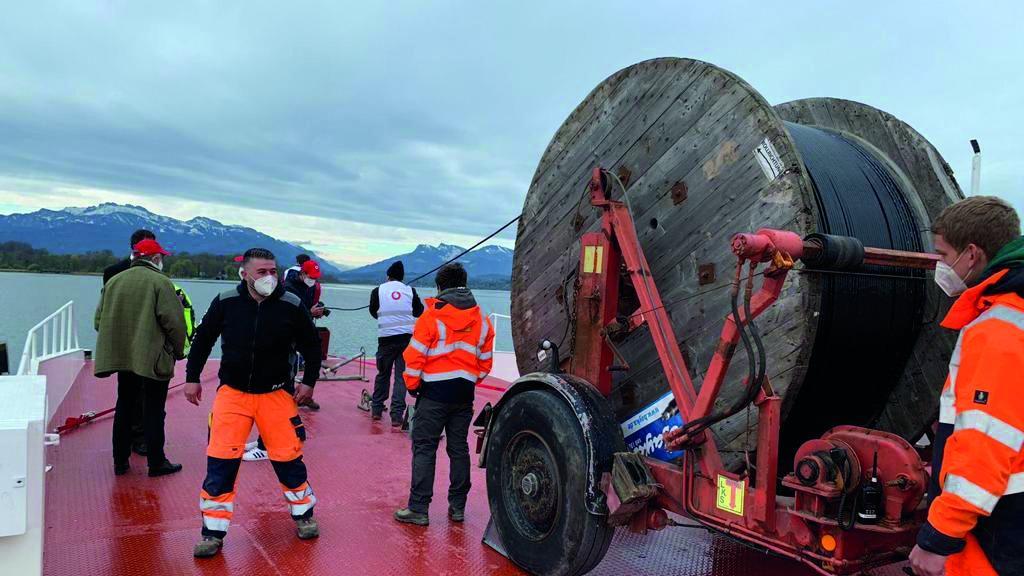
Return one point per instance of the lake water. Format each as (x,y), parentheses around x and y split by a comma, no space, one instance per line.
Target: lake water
(25,299)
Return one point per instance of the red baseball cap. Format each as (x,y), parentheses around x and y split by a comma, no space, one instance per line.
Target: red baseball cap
(311,268)
(239,258)
(149,247)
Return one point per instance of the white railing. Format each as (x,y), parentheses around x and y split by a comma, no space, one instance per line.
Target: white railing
(494,322)
(57,334)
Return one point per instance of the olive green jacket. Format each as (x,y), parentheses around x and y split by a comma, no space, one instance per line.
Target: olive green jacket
(141,324)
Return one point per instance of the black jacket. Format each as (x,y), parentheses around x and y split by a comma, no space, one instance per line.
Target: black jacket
(256,340)
(115,269)
(294,284)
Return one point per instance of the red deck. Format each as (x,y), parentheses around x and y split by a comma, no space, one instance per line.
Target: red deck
(99,524)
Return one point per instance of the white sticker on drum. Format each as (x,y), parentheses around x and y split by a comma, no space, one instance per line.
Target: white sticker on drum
(769,160)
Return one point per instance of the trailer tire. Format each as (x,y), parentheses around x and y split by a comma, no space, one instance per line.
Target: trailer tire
(536,482)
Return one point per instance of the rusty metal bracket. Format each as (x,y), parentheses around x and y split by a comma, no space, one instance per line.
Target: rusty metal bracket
(679,191)
(706,274)
(624,175)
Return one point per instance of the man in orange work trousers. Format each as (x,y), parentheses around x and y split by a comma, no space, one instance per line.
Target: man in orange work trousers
(976,517)
(259,324)
(450,352)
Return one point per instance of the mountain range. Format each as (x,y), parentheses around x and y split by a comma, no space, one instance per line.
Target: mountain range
(490,266)
(108,226)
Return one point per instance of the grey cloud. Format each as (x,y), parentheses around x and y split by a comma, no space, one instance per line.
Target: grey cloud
(433,115)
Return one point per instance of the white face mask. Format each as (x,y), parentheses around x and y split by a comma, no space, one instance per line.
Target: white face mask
(159,264)
(310,282)
(947,278)
(265,286)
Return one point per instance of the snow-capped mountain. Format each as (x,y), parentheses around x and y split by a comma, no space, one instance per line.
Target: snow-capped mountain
(108,226)
(491,263)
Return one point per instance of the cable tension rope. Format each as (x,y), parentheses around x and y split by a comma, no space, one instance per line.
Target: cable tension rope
(443,264)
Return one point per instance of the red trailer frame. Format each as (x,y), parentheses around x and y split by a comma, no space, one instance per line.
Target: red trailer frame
(802,526)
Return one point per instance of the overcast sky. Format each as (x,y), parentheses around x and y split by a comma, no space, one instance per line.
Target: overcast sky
(364,128)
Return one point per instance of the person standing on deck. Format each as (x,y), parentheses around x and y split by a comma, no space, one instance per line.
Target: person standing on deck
(259,324)
(396,307)
(294,271)
(301,285)
(449,354)
(976,515)
(141,333)
(138,413)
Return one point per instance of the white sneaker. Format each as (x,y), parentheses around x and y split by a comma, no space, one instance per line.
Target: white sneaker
(251,445)
(254,454)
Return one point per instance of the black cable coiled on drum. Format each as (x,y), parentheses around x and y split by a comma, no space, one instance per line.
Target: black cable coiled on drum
(867,324)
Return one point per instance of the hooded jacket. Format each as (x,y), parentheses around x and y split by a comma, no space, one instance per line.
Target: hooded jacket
(978,466)
(451,349)
(256,340)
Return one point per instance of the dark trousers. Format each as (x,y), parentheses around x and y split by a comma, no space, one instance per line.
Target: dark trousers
(129,386)
(139,418)
(389,359)
(430,419)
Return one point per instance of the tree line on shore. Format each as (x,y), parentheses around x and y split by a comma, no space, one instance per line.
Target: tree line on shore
(23,257)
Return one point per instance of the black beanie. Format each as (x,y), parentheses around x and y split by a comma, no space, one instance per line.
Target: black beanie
(397,270)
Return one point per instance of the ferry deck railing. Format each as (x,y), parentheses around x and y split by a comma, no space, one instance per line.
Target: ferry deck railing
(55,335)
(494,316)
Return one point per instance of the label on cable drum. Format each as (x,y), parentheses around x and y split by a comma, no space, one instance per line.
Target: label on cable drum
(769,160)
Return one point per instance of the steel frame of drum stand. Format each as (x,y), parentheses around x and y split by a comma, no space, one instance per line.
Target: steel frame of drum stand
(804,527)
(330,373)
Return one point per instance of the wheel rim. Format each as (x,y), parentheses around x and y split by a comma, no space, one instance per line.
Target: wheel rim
(532,490)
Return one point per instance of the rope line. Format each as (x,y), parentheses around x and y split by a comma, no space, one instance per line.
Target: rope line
(443,264)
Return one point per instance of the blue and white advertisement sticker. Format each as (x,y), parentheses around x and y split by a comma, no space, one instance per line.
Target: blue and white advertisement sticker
(644,432)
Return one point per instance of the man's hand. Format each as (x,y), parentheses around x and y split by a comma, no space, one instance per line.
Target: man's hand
(927,563)
(194,392)
(317,311)
(303,393)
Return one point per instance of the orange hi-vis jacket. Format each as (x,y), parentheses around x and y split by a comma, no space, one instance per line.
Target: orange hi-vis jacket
(979,461)
(451,350)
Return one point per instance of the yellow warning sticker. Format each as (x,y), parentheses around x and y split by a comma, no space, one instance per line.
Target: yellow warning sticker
(588,259)
(730,495)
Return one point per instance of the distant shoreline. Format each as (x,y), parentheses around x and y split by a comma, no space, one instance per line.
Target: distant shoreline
(360,284)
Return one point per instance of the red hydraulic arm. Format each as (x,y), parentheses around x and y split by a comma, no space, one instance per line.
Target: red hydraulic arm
(744,506)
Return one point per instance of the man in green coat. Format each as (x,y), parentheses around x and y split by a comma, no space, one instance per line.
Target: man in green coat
(141,325)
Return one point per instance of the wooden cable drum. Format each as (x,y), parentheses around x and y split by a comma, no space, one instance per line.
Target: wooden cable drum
(704,156)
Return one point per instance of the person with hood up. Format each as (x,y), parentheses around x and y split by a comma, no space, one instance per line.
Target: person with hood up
(976,492)
(450,352)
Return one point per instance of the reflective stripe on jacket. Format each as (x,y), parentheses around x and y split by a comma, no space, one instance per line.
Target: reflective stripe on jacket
(450,351)
(979,459)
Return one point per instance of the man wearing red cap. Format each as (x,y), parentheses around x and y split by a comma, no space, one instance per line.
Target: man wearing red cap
(141,325)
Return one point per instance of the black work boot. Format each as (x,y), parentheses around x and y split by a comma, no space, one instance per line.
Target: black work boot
(207,547)
(164,469)
(457,514)
(307,528)
(408,516)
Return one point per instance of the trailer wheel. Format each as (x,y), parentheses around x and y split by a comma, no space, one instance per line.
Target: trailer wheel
(536,480)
